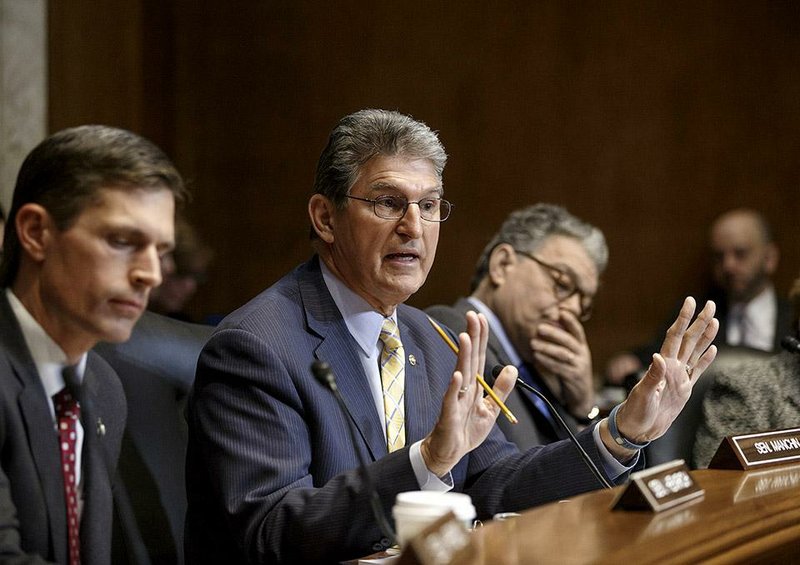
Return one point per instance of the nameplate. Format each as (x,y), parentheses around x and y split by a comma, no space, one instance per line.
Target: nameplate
(665,486)
(446,541)
(750,451)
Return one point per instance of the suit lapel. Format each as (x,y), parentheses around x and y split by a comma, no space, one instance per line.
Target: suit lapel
(41,433)
(97,474)
(419,414)
(338,348)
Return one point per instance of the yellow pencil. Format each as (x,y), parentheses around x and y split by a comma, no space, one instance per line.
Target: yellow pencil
(478,377)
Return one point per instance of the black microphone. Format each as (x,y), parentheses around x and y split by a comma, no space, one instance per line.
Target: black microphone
(324,374)
(791,344)
(585,456)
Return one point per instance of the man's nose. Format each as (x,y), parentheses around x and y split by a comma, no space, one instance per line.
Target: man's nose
(411,222)
(147,269)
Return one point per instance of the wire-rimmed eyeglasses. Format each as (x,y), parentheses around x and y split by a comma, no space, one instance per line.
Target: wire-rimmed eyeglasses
(564,285)
(391,207)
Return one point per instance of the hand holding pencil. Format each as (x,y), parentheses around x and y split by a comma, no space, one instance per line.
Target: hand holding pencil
(508,414)
(467,416)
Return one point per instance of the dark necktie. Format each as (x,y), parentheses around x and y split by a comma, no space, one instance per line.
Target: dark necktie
(68,413)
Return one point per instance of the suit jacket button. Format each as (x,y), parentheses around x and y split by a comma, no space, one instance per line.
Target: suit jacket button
(377,547)
(385,542)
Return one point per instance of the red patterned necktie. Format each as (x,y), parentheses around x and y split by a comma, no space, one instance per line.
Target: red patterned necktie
(67,414)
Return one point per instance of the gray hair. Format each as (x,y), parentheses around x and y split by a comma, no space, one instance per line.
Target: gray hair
(361,136)
(528,228)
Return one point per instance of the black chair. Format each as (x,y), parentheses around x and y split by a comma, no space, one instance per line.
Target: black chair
(156,367)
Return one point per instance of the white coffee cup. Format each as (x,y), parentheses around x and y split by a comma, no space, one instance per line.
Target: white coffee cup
(414,510)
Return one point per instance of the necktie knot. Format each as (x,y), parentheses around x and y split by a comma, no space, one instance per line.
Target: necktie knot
(390,335)
(66,405)
(70,375)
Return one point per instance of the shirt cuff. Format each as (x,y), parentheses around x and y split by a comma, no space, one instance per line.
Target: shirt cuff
(611,464)
(426,479)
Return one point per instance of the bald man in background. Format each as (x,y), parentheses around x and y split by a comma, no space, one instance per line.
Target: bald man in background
(744,257)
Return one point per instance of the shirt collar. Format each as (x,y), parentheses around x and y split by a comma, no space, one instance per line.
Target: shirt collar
(763,301)
(760,315)
(363,321)
(48,357)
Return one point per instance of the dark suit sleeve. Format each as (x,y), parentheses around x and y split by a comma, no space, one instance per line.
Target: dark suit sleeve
(273,469)
(537,476)
(10,550)
(10,545)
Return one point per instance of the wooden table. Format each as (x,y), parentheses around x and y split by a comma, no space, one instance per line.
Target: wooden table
(744,517)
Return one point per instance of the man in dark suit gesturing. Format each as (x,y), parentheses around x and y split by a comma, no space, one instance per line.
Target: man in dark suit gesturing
(272,475)
(92,213)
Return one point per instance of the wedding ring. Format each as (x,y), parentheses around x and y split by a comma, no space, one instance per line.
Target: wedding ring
(689,370)
(464,389)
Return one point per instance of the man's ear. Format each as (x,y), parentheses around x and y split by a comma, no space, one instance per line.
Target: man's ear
(501,260)
(773,257)
(35,229)
(322,212)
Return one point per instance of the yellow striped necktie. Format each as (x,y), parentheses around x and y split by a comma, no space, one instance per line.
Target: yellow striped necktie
(393,383)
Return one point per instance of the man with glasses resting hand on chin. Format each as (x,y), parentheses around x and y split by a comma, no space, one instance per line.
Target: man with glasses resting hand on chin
(535,282)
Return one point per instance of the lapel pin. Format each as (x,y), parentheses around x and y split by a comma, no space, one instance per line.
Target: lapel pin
(412,360)
(101,428)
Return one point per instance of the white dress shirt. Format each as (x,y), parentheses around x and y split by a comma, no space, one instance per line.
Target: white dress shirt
(752,324)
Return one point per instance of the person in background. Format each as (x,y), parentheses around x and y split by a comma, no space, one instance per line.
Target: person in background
(535,282)
(272,474)
(754,396)
(185,269)
(91,216)
(744,257)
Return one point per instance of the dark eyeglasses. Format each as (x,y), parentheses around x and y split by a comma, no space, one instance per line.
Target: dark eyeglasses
(394,207)
(564,286)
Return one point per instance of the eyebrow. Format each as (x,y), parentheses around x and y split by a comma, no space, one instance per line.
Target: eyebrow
(564,269)
(382,186)
(138,235)
(567,270)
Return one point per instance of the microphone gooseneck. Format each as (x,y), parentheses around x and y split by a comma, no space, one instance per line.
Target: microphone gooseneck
(323,372)
(585,456)
(791,344)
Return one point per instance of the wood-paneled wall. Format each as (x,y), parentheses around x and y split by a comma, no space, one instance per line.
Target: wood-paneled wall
(644,118)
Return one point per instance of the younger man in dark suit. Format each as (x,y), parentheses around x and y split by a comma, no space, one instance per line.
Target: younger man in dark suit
(91,216)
